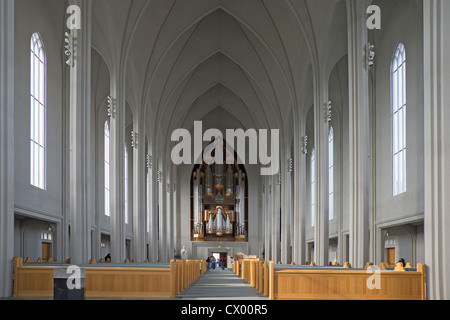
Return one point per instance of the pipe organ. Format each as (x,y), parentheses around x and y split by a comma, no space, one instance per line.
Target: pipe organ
(218,209)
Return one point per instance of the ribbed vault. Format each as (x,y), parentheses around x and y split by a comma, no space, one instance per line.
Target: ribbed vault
(256,59)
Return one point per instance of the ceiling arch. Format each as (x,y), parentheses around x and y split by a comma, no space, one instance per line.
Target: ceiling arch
(206,41)
(259,57)
(207,27)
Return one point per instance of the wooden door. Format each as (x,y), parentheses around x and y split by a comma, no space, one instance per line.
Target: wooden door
(390,256)
(46,251)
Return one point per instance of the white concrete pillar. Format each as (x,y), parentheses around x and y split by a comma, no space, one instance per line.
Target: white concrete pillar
(169,226)
(289,222)
(139,189)
(174,232)
(300,147)
(321,229)
(162,243)
(437,146)
(80,137)
(153,215)
(285,203)
(275,218)
(358,132)
(268,214)
(117,162)
(261,220)
(6,146)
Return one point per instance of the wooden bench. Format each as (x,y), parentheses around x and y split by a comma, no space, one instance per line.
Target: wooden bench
(106,280)
(282,281)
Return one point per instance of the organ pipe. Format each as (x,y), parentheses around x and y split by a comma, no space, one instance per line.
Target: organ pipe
(219,202)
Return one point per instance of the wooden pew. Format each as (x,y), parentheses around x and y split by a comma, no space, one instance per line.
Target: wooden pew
(106,280)
(344,283)
(335,282)
(246,268)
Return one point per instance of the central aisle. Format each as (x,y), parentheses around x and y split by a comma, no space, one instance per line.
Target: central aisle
(220,284)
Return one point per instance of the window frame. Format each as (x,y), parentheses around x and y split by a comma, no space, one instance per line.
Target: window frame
(398,120)
(38,127)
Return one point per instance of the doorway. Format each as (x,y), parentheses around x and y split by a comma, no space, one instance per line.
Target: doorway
(390,257)
(46,251)
(220,255)
(346,248)
(310,252)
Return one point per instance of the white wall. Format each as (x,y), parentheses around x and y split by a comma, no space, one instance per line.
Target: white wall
(400,24)
(46,202)
(43,205)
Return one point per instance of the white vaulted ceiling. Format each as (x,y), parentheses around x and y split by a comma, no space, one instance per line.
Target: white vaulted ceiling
(246,61)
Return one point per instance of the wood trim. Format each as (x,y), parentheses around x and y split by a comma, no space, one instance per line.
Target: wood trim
(342,284)
(111,282)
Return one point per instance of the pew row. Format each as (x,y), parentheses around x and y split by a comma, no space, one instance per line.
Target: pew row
(300,282)
(105,280)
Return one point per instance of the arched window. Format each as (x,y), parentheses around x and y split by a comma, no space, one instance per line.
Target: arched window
(107,171)
(38,88)
(313,186)
(331,174)
(398,96)
(126,183)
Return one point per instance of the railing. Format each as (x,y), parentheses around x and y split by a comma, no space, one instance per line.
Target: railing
(279,281)
(105,280)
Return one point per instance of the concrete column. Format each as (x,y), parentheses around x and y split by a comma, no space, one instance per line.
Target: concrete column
(175,228)
(299,249)
(261,226)
(286,209)
(358,132)
(162,243)
(437,146)
(6,146)
(170,222)
(276,217)
(153,216)
(267,218)
(321,233)
(80,170)
(139,190)
(117,161)
(290,200)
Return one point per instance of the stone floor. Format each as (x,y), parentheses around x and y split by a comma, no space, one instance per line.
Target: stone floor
(218,284)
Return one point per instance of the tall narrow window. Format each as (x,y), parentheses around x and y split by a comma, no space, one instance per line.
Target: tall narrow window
(313,186)
(398,83)
(37,113)
(107,171)
(126,183)
(331,174)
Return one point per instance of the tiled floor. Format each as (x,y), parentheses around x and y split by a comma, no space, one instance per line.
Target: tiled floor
(218,284)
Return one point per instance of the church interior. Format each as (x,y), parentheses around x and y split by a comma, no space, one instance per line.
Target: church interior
(344,98)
